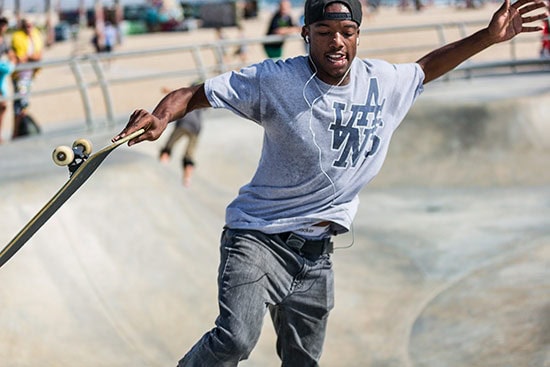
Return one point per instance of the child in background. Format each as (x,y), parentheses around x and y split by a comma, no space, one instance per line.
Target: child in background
(189,126)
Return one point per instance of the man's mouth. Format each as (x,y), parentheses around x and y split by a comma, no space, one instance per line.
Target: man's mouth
(338,59)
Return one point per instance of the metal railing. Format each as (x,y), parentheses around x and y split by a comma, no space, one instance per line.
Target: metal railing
(92,78)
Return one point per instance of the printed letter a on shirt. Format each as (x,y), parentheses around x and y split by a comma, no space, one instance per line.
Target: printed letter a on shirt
(356,136)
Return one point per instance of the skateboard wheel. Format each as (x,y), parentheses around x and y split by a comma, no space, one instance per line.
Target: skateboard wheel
(85,144)
(63,155)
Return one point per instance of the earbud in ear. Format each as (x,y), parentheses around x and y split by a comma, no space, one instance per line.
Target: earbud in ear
(357,41)
(307,39)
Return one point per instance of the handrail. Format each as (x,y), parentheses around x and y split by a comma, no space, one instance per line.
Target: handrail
(203,60)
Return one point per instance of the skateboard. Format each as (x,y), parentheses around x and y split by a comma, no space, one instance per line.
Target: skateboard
(81,166)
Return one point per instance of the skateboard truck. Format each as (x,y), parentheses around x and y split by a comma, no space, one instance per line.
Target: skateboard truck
(72,157)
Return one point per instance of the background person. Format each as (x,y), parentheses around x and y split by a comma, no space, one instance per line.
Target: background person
(281,24)
(7,64)
(105,38)
(27,44)
(188,126)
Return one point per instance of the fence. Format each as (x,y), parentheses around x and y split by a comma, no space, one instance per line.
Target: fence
(100,83)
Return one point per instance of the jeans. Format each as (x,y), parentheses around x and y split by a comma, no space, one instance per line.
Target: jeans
(259,272)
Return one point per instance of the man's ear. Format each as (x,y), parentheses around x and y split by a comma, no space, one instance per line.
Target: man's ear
(305,33)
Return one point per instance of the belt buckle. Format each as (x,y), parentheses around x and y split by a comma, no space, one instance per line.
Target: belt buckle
(295,242)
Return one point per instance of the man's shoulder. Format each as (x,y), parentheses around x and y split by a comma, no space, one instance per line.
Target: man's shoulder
(285,64)
(268,70)
(283,68)
(382,66)
(374,63)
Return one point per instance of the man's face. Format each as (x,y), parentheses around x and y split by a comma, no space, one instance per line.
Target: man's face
(333,45)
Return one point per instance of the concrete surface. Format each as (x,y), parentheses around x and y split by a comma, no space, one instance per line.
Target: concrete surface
(447,263)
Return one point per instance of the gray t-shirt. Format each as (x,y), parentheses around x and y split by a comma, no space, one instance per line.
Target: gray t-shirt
(322,144)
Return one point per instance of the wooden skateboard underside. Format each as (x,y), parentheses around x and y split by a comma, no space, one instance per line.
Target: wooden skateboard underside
(77,179)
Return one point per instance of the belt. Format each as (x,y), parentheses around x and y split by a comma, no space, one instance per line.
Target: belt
(305,246)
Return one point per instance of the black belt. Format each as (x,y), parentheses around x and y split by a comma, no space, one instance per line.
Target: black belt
(305,246)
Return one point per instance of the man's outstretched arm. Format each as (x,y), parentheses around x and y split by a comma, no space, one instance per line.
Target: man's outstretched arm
(507,22)
(173,106)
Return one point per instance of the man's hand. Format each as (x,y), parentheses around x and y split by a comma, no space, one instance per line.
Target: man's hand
(141,119)
(511,19)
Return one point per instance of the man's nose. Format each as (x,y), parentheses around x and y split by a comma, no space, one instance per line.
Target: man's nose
(337,40)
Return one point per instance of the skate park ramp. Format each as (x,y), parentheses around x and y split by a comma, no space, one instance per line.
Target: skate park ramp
(447,263)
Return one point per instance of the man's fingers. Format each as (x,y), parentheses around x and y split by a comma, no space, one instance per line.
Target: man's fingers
(531,29)
(138,120)
(147,135)
(136,140)
(523,8)
(518,4)
(533,18)
(535,6)
(120,135)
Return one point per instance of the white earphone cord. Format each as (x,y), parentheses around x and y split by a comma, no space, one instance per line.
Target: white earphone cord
(319,150)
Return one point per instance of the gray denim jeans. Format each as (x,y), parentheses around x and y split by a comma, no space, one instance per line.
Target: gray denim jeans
(259,272)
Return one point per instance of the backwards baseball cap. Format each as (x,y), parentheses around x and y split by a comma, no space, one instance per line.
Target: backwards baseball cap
(314,10)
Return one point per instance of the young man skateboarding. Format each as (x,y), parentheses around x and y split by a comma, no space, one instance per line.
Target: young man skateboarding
(328,119)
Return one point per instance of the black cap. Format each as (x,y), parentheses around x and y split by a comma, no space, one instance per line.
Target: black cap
(314,10)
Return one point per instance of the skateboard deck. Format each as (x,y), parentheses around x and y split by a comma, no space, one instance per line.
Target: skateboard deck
(81,167)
